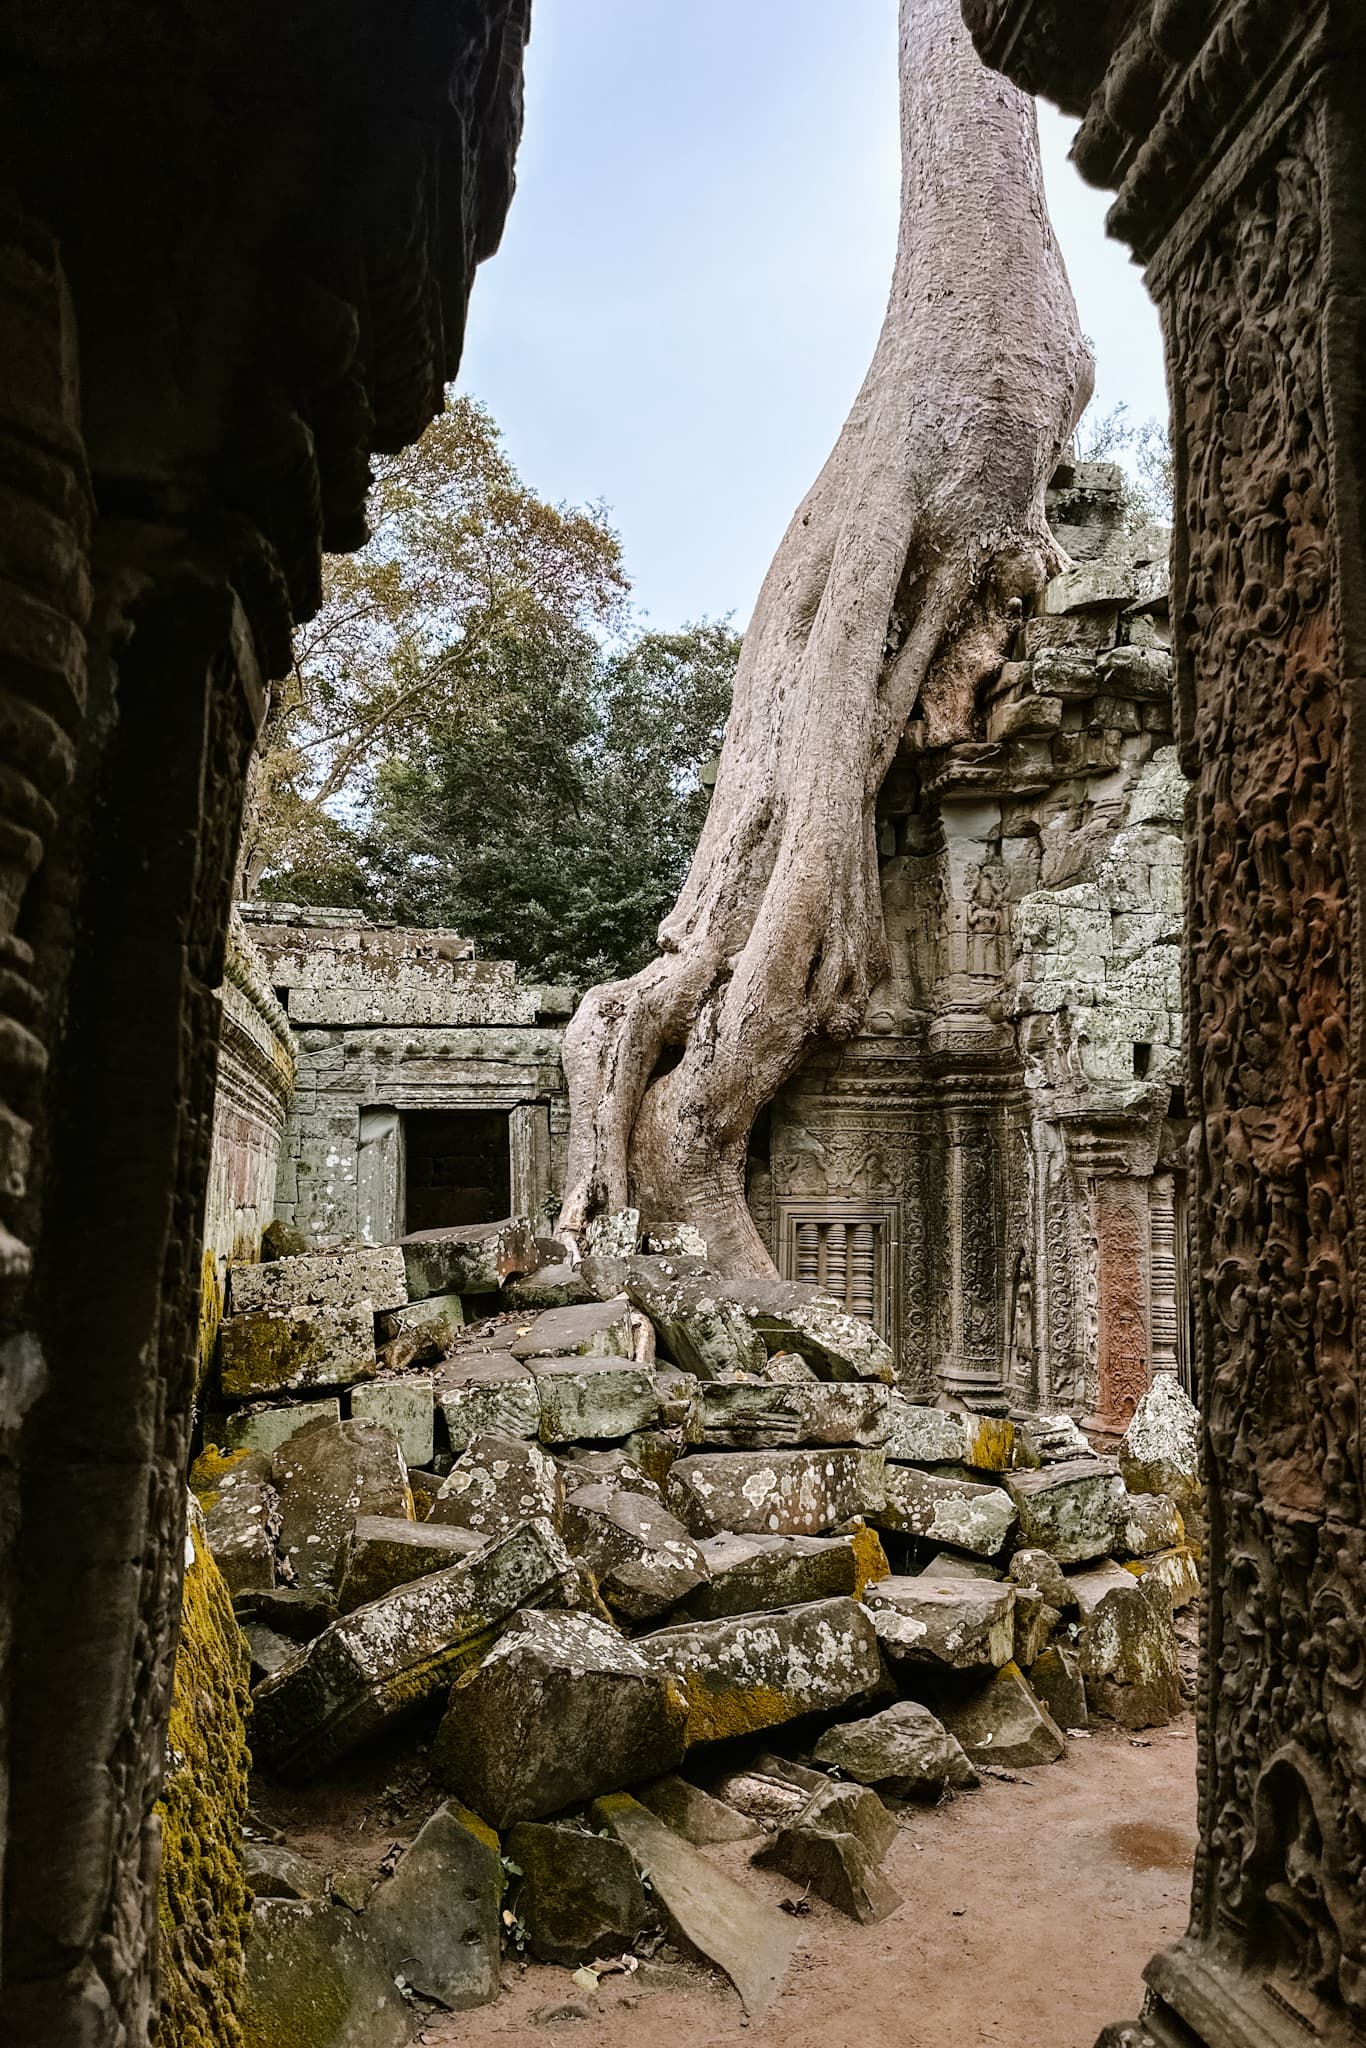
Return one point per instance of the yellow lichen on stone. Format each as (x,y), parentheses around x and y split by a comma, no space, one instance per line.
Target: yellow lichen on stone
(993,1443)
(202,1900)
(716,1716)
(212,1295)
(208,1472)
(870,1560)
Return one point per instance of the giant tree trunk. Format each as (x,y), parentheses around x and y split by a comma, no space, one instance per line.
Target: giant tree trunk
(898,579)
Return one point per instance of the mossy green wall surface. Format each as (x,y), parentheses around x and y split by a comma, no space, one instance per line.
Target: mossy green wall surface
(203,1895)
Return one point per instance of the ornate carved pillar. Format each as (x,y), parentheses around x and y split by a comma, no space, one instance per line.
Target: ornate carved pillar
(1233,132)
(1163,1310)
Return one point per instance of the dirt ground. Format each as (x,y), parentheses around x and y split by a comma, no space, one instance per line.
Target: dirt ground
(1030,1910)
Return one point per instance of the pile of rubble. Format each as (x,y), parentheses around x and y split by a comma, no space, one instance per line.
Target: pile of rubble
(606,1533)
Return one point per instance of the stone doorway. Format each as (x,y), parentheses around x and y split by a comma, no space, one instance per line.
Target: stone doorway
(458,1167)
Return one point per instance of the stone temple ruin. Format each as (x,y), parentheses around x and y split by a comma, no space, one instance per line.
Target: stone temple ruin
(185,425)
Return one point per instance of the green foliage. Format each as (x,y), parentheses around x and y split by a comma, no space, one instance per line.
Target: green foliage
(1145,454)
(490,747)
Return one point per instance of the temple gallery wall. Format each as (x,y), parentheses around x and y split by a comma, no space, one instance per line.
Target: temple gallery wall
(993,1172)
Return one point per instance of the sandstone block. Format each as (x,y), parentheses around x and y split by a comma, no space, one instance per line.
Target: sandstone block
(437,1919)
(239,1505)
(326,1476)
(706,1332)
(1176,1569)
(748,1672)
(383,1551)
(693,1813)
(749,1574)
(753,1416)
(562,1708)
(816,1850)
(554,1286)
(615,1469)
(962,1624)
(442,1313)
(1076,1511)
(944,1509)
(317,1978)
(265,1429)
(274,1871)
(1160,1452)
(904,1750)
(773,1493)
(1057,1680)
(497,1483)
(579,1896)
(643,1559)
(387,1657)
(1127,1648)
(403,1407)
(793,1317)
(1043,1574)
(592,1399)
(279,1351)
(918,1435)
(1151,1523)
(600,1329)
(1005,1725)
(492,1397)
(343,1279)
(468,1258)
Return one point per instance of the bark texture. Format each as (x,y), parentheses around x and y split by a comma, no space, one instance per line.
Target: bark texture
(898,581)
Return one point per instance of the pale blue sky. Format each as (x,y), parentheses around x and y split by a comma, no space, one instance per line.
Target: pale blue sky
(695,267)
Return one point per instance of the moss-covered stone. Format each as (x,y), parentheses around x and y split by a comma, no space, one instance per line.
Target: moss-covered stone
(578,1895)
(202,1900)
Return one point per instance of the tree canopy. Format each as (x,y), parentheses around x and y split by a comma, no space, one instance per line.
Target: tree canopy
(477,733)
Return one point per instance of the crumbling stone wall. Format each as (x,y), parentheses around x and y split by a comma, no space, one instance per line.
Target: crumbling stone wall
(994,1168)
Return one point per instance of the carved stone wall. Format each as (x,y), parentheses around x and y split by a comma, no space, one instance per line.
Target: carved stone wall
(998,1125)
(1233,134)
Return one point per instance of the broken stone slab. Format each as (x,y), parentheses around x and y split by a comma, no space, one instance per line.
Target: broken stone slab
(904,1750)
(1176,1569)
(964,1512)
(815,1850)
(755,1415)
(594,1398)
(275,1871)
(851,1809)
(490,1397)
(920,1435)
(1075,1511)
(705,1332)
(383,1551)
(561,1708)
(497,1483)
(578,1896)
(706,1910)
(281,1351)
(374,1664)
(1127,1647)
(602,1329)
(1037,1570)
(768,1798)
(468,1258)
(239,1505)
(612,1236)
(642,1557)
(748,1574)
(265,1429)
(1049,1440)
(317,1978)
(341,1279)
(656,1451)
(614,1468)
(1005,1725)
(774,1493)
(789,1369)
(1151,1523)
(1035,1622)
(947,1564)
(326,1476)
(437,1919)
(693,1813)
(676,1241)
(1160,1451)
(1057,1679)
(442,1313)
(293,1611)
(268,1650)
(403,1406)
(748,1672)
(555,1286)
(960,1624)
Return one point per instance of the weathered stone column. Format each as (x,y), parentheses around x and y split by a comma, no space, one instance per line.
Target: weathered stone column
(1233,132)
(1163,1309)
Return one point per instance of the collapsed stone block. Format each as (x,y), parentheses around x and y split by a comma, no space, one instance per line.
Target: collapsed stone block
(959,1624)
(279,1351)
(1151,1523)
(1075,1511)
(919,1435)
(387,1657)
(616,1469)
(1056,1678)
(750,1574)
(820,1850)
(1160,1451)
(904,1750)
(561,1708)
(265,1429)
(642,1557)
(326,1476)
(555,1286)
(1004,1725)
(316,1977)
(693,1813)
(239,1504)
(441,1314)
(1127,1647)
(578,1896)
(748,1672)
(945,1509)
(275,1871)
(1037,1570)
(1176,1569)
(1035,1622)
(584,1398)
(383,1551)
(706,1333)
(601,1329)
(468,1258)
(488,1397)
(405,1408)
(793,1317)
(341,1279)
(497,1483)
(773,1493)
(438,1918)
(752,1416)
